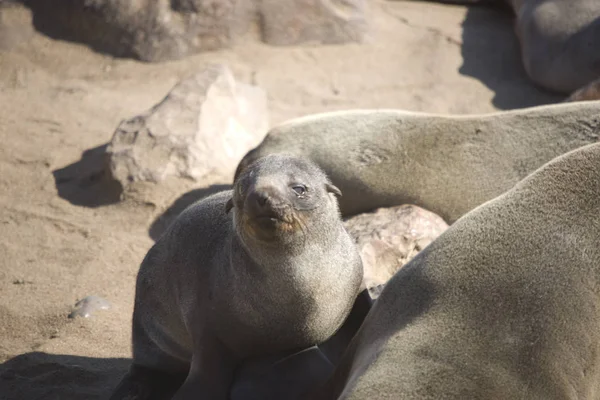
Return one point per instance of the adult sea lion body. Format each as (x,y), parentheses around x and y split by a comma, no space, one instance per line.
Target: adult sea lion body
(445,164)
(503,305)
(277,273)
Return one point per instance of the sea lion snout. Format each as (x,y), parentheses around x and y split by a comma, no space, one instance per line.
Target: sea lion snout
(267,202)
(278,197)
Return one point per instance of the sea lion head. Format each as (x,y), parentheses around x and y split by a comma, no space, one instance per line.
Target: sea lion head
(280,197)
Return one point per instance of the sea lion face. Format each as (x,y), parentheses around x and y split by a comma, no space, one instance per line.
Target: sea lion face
(279,196)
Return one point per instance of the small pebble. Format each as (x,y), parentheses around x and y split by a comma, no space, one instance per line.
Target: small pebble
(21,282)
(88,305)
(375,291)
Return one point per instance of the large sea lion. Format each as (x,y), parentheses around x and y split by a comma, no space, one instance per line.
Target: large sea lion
(445,164)
(263,269)
(503,305)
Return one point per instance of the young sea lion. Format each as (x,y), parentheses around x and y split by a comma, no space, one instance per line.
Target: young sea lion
(445,164)
(262,269)
(291,376)
(503,305)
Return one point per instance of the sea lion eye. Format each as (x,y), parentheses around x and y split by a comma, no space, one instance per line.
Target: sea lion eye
(299,189)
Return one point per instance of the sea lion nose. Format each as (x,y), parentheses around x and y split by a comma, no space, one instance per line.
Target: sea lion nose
(260,198)
(264,198)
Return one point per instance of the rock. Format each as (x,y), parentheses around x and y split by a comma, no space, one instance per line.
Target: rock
(288,22)
(16,25)
(88,305)
(388,238)
(150,30)
(589,92)
(203,126)
(160,30)
(245,16)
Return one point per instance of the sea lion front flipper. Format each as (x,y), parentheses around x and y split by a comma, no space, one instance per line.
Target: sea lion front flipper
(281,376)
(290,376)
(211,371)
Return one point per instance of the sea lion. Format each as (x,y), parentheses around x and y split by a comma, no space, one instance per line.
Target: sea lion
(263,269)
(505,304)
(560,41)
(386,240)
(445,164)
(291,376)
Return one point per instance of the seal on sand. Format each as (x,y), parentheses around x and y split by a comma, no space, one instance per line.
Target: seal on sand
(445,164)
(503,305)
(262,269)
(559,41)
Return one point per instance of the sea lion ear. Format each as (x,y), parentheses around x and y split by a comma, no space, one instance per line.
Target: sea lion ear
(333,189)
(228,205)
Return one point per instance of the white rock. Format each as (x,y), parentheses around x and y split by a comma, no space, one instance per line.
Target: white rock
(204,126)
(388,238)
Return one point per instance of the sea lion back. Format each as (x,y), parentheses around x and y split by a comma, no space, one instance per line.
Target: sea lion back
(504,304)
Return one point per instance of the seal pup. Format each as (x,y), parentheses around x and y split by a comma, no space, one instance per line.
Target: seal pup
(445,164)
(503,305)
(291,376)
(262,269)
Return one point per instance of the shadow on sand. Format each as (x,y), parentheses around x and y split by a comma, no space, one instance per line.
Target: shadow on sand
(490,49)
(492,54)
(62,20)
(38,375)
(87,181)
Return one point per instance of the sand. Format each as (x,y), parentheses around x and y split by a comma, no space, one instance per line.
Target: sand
(65,232)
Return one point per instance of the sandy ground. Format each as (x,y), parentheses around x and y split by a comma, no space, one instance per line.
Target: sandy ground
(65,234)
